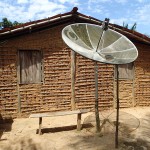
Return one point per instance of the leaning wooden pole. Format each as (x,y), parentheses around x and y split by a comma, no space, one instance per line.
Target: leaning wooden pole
(117,114)
(96,99)
(73,65)
(104,27)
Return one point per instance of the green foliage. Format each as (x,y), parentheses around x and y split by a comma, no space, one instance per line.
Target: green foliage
(15,23)
(7,23)
(148,35)
(125,25)
(133,27)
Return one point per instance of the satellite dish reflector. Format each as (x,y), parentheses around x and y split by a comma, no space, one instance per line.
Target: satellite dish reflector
(113,48)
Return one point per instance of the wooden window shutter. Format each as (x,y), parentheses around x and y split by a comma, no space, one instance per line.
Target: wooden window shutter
(30,66)
(126,71)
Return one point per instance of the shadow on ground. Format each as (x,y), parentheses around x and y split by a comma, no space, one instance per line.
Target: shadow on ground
(143,132)
(134,134)
(64,128)
(5,126)
(139,139)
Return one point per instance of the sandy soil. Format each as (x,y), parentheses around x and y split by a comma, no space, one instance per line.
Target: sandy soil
(59,133)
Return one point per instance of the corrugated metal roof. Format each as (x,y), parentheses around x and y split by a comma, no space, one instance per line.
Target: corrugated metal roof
(69,16)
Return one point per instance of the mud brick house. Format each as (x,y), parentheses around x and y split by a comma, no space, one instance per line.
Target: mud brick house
(40,73)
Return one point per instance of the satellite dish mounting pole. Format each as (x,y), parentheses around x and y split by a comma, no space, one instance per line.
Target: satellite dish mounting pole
(104,27)
(117,99)
(96,99)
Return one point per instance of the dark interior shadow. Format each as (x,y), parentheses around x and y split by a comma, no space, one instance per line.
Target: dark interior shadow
(64,128)
(5,126)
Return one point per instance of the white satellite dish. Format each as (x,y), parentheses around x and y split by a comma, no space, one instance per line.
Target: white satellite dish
(101,44)
(114,48)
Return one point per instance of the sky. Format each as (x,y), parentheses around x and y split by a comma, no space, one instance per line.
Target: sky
(118,11)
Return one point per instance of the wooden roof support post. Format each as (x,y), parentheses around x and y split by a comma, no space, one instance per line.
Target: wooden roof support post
(18,81)
(133,88)
(117,113)
(19,100)
(73,72)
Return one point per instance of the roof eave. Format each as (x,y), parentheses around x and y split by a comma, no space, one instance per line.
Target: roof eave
(73,17)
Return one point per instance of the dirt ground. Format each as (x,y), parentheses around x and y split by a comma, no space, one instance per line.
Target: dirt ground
(59,133)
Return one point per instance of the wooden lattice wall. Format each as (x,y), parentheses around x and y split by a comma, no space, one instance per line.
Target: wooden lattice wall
(142,76)
(8,82)
(126,93)
(56,91)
